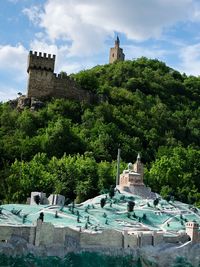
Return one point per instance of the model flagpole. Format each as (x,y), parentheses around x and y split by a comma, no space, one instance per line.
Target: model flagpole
(118,167)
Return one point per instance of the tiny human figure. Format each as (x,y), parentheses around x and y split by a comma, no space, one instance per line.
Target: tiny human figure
(41,217)
(24,217)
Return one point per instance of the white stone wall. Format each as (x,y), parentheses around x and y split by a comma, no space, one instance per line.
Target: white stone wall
(46,234)
(130,240)
(172,239)
(7,232)
(56,199)
(157,238)
(146,239)
(108,238)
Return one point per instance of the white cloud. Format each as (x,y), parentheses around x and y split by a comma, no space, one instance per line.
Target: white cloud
(33,13)
(87,24)
(196,11)
(7,93)
(67,24)
(139,20)
(13,58)
(13,71)
(190,59)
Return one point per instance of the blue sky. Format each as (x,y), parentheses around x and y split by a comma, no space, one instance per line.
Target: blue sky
(80,33)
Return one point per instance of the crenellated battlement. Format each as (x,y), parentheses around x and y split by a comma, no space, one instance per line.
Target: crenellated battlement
(41,60)
(42,55)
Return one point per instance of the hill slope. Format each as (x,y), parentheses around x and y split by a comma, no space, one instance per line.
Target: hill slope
(147,107)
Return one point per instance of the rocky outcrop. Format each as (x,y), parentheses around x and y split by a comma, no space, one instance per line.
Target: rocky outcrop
(29,102)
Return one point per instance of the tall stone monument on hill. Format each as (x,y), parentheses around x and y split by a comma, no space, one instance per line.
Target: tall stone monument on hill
(116,53)
(131,180)
(192,230)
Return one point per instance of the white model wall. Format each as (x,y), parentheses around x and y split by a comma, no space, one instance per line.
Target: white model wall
(45,234)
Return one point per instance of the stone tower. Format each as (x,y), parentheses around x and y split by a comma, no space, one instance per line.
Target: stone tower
(192,230)
(138,167)
(41,74)
(116,53)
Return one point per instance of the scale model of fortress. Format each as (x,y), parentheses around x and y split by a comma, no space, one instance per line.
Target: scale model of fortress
(89,226)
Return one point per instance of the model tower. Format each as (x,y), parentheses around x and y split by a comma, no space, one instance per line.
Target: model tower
(192,230)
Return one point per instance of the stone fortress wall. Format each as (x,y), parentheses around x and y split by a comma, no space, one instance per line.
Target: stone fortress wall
(46,234)
(44,83)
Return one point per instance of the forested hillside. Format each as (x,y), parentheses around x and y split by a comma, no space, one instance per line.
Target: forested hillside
(70,148)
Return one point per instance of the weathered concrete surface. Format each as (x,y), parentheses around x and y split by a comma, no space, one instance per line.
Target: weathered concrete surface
(159,256)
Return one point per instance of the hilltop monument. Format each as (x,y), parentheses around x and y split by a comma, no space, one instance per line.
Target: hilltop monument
(116,53)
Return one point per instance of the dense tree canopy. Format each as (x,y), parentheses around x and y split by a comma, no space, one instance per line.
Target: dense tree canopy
(70,147)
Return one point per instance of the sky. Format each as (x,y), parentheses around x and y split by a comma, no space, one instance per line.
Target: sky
(81,32)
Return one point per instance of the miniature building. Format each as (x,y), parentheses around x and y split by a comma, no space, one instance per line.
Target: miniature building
(42,198)
(116,53)
(192,230)
(134,175)
(131,180)
(43,83)
(56,199)
(53,199)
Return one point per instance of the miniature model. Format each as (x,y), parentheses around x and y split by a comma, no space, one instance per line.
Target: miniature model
(129,217)
(131,180)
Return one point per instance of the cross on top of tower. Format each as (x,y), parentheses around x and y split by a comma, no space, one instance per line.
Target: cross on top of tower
(117,41)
